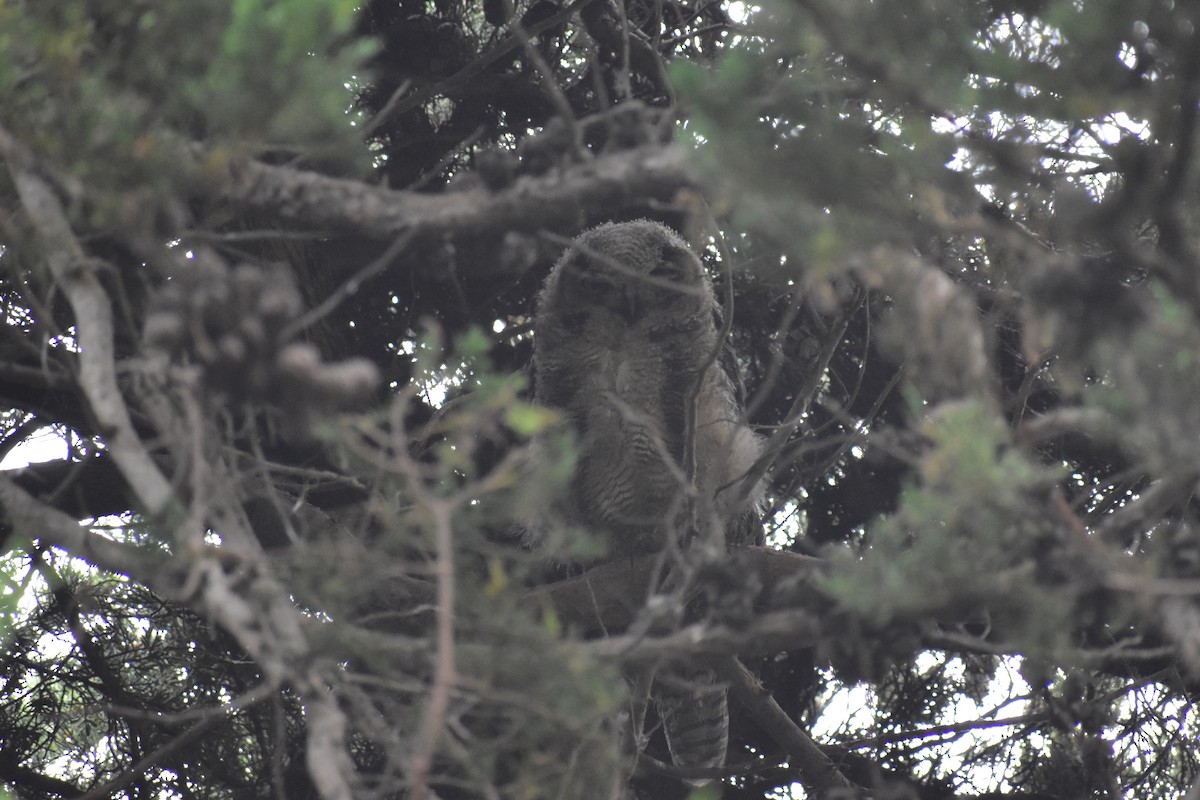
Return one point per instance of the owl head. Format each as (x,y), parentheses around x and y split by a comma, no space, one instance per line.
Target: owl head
(630,268)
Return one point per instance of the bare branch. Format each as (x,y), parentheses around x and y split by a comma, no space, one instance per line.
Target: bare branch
(33,518)
(560,200)
(398,103)
(76,273)
(1032,718)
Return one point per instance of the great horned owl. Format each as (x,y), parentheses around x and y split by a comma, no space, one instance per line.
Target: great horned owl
(627,344)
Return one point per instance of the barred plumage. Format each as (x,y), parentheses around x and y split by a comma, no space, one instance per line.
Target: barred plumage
(694,711)
(627,327)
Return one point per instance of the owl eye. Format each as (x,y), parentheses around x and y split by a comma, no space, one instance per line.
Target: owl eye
(672,263)
(675,264)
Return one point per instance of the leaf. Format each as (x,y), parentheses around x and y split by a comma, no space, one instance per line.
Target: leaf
(528,420)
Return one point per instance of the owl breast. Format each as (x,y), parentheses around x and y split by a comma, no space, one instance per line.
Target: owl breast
(626,343)
(628,411)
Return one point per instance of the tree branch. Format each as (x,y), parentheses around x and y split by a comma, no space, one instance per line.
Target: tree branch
(558,200)
(36,781)
(76,274)
(609,596)
(35,519)
(234,590)
(151,760)
(399,103)
(817,772)
(770,633)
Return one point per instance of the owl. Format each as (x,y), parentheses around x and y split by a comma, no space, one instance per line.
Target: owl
(628,346)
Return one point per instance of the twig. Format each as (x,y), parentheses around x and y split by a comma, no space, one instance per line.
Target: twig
(444,672)
(348,287)
(622,79)
(550,84)
(149,760)
(440,510)
(398,103)
(20,433)
(799,411)
(790,313)
(942,730)
(258,694)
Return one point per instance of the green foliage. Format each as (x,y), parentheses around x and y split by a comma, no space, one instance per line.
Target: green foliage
(1156,365)
(111,91)
(538,704)
(273,77)
(14,582)
(964,525)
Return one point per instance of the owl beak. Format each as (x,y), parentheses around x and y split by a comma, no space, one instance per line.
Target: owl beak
(631,306)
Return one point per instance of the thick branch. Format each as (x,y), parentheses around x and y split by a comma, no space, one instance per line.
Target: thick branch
(770,633)
(92,487)
(608,597)
(48,393)
(558,200)
(33,518)
(36,781)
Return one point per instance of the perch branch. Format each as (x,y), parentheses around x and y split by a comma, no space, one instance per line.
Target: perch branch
(770,633)
(609,596)
(560,199)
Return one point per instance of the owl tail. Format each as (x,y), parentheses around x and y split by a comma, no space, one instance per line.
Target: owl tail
(694,711)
